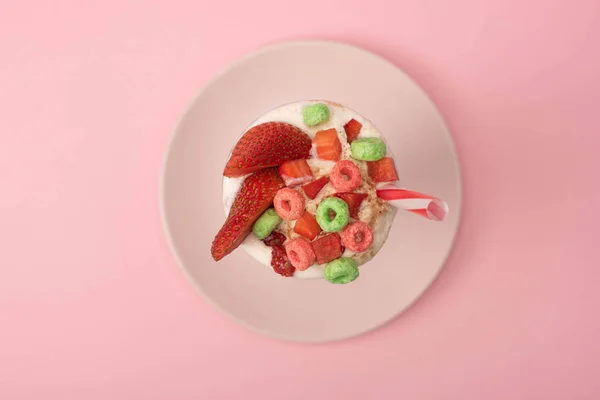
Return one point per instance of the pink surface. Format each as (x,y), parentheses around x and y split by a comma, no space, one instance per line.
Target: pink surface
(92,305)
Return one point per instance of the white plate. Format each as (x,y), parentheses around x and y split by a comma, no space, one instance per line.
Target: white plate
(250,293)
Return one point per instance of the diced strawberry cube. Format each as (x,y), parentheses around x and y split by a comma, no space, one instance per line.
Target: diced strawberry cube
(352,129)
(328,144)
(382,170)
(327,248)
(307,226)
(353,200)
(313,188)
(295,172)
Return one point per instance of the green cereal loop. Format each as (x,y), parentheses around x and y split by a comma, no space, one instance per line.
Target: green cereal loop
(342,214)
(368,149)
(266,223)
(315,114)
(341,271)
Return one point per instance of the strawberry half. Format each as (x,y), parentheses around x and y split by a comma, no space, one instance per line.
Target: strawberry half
(328,144)
(295,172)
(382,170)
(267,145)
(352,129)
(313,188)
(353,200)
(307,226)
(254,197)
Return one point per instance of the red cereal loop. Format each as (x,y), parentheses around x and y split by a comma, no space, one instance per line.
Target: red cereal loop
(300,253)
(345,176)
(289,203)
(357,237)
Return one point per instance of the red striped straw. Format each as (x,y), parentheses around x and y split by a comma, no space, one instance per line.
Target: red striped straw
(421,204)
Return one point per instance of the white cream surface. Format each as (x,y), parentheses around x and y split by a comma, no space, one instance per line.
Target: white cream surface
(339,116)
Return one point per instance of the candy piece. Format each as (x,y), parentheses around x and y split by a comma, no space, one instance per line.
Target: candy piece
(328,145)
(265,224)
(300,253)
(327,248)
(332,214)
(357,237)
(352,129)
(315,114)
(307,226)
(382,170)
(289,203)
(274,239)
(368,149)
(295,172)
(354,200)
(313,188)
(280,261)
(267,145)
(345,176)
(341,271)
(254,197)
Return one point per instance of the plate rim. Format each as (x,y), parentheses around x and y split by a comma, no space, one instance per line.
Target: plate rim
(165,159)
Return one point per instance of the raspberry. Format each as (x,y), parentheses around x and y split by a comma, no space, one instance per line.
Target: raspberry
(274,239)
(280,262)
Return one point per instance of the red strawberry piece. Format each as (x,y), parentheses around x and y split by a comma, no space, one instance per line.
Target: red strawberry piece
(353,200)
(328,144)
(382,170)
(267,145)
(307,226)
(280,261)
(352,129)
(327,248)
(255,195)
(275,238)
(313,188)
(295,172)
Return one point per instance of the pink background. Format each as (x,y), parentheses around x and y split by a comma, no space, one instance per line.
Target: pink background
(92,305)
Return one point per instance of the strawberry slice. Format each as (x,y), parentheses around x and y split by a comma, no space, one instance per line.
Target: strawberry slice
(328,144)
(382,170)
(352,129)
(254,197)
(307,226)
(327,248)
(267,145)
(353,200)
(313,188)
(295,172)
